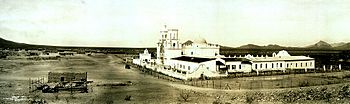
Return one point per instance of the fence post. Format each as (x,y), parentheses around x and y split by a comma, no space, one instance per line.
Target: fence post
(213,84)
(291,82)
(239,86)
(207,84)
(202,83)
(251,85)
(30,85)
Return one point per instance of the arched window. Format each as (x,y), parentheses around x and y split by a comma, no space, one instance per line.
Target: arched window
(191,53)
(256,66)
(174,44)
(280,64)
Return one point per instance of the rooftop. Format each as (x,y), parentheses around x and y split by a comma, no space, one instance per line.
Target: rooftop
(290,58)
(193,59)
(235,59)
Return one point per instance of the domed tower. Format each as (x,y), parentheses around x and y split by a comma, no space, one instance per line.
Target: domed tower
(168,45)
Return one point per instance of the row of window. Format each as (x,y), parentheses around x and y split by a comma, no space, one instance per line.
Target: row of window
(169,44)
(184,67)
(165,36)
(299,65)
(182,72)
(175,70)
(288,65)
(233,67)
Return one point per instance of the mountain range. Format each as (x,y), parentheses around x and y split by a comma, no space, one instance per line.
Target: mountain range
(321,45)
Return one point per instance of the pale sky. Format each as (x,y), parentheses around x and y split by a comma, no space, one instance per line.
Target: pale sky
(136,23)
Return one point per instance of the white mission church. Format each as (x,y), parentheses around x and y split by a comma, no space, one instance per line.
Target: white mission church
(197,58)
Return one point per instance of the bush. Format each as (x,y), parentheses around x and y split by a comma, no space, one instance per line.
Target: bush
(304,84)
(249,99)
(218,100)
(344,92)
(127,98)
(185,95)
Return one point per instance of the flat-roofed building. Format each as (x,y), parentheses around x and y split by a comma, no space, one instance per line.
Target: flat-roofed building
(281,61)
(234,65)
(186,67)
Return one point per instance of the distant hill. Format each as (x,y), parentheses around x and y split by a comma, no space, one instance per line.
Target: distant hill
(320,45)
(225,47)
(338,44)
(253,46)
(345,46)
(10,44)
(274,46)
(250,46)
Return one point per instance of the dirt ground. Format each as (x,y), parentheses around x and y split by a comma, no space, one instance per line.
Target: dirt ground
(274,81)
(104,69)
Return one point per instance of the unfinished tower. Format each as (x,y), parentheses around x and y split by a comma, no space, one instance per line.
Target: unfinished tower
(168,45)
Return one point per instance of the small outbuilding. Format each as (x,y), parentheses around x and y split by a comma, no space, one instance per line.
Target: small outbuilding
(66,77)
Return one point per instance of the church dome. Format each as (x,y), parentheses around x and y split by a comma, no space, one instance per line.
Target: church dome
(282,53)
(200,41)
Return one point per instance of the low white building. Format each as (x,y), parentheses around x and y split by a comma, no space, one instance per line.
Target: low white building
(235,65)
(186,67)
(144,58)
(281,61)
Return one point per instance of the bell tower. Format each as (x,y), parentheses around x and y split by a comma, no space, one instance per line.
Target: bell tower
(168,42)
